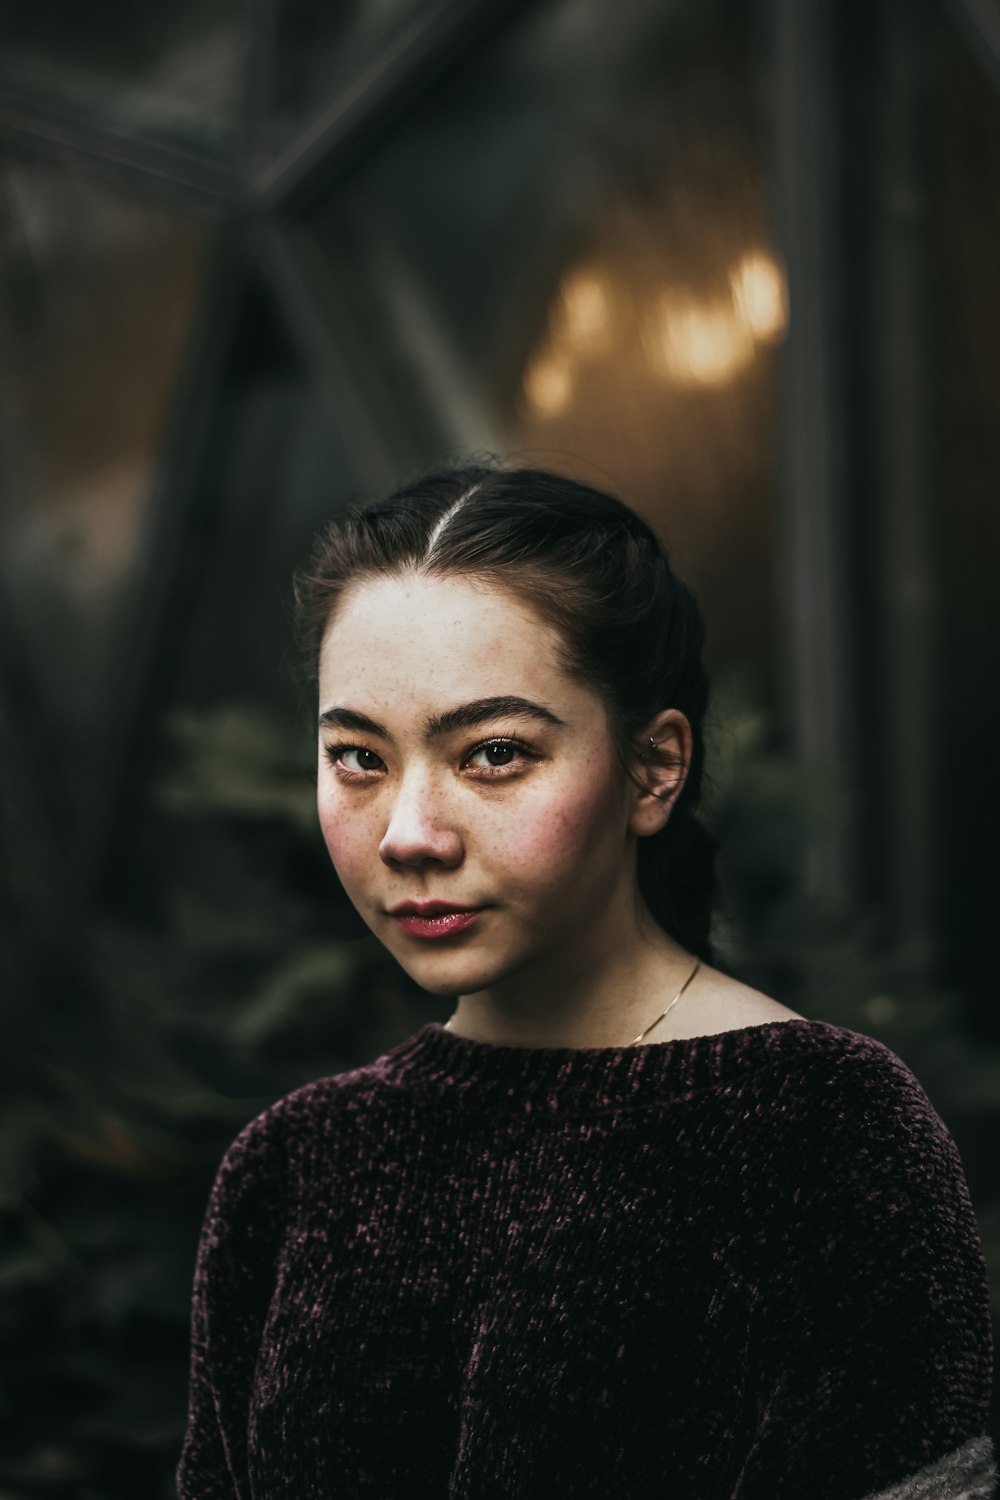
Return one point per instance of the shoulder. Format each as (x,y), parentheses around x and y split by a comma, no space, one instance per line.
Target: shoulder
(864,1088)
(726,1004)
(276,1140)
(847,1085)
(856,1074)
(264,1170)
(829,1084)
(858,1134)
(859,1177)
(833,1096)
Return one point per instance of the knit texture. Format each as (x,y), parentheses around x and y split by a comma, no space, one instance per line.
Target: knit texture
(743,1265)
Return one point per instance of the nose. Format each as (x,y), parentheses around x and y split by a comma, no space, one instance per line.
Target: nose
(419,827)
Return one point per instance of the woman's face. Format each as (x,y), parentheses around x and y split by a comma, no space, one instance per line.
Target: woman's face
(426,792)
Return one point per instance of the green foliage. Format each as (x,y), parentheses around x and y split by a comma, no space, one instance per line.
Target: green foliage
(238,971)
(135,1055)
(815,950)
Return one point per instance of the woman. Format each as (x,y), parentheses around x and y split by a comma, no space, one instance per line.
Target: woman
(621,1226)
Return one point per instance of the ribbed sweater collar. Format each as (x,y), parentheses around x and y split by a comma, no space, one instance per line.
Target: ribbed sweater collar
(556,1079)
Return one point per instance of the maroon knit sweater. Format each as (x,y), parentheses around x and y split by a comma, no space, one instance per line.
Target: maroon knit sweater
(743,1265)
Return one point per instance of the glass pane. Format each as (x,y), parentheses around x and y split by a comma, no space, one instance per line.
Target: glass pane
(319,49)
(566,255)
(273,472)
(96,308)
(173,69)
(238,723)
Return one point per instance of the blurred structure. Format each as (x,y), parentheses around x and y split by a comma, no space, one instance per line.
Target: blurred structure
(733,259)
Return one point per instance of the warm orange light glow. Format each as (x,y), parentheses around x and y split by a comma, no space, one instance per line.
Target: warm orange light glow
(582,313)
(703,344)
(760,297)
(548,385)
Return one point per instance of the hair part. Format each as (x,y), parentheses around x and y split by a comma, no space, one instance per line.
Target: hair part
(627,627)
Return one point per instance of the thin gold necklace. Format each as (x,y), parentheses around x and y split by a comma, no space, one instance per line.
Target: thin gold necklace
(669,1007)
(447,1024)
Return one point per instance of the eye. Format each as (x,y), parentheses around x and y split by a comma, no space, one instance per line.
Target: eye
(506,745)
(513,754)
(335,755)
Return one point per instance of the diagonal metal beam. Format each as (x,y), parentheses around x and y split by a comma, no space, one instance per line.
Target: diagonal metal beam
(376,88)
(377,85)
(38,126)
(44,127)
(259,86)
(319,340)
(166,573)
(980,20)
(460,418)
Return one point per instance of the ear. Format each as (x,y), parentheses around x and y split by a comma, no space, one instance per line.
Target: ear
(665,765)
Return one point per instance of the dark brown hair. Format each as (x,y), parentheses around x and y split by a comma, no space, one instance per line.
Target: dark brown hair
(593,570)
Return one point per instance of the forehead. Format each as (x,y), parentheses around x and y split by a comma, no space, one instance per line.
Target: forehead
(439,637)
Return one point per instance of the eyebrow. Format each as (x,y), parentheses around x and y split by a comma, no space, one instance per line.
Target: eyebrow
(465,716)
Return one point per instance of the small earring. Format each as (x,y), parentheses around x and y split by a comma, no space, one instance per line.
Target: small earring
(655,743)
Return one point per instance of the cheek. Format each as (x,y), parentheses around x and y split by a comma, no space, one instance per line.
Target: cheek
(565,834)
(347,838)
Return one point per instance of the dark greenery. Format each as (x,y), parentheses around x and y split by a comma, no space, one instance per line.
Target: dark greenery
(240,971)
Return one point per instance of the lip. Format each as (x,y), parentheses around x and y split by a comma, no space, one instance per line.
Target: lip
(448,921)
(427,908)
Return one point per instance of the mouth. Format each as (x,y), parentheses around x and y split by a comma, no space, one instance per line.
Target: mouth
(436,924)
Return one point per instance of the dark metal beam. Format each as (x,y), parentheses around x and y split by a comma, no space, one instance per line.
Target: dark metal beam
(260,79)
(45,128)
(38,126)
(980,20)
(29,759)
(164,576)
(460,419)
(903,520)
(813,583)
(300,297)
(376,88)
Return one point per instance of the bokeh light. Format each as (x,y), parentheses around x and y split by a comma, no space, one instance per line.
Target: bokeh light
(760,296)
(582,313)
(701,344)
(548,385)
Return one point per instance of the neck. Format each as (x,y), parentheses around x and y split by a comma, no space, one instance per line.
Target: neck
(600,1000)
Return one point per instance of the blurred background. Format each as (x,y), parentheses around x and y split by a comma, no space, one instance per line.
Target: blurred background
(735,260)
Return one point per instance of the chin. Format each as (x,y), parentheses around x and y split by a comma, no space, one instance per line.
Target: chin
(444,989)
(445,979)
